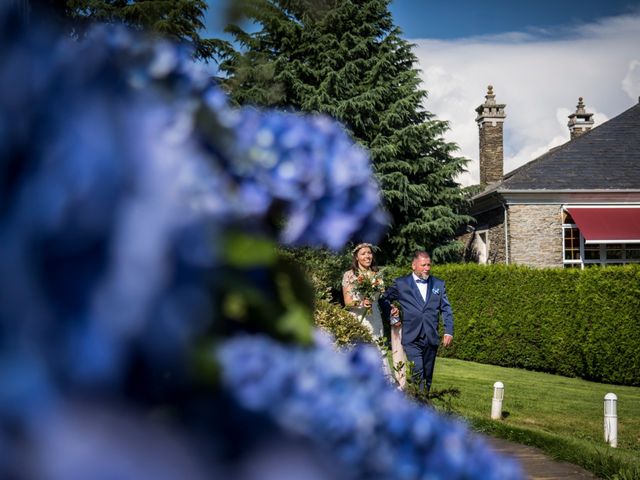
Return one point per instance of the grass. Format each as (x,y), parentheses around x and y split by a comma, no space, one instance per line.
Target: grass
(563,416)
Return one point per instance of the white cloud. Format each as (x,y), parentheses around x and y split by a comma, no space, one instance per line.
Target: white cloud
(631,82)
(539,76)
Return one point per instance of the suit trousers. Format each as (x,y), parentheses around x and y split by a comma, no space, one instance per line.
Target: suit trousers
(423,356)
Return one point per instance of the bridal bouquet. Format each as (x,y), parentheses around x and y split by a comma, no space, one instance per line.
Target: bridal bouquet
(368,284)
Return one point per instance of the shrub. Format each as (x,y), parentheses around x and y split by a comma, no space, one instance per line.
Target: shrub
(324,269)
(346,328)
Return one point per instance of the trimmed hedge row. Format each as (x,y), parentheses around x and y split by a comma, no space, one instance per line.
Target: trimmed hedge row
(583,323)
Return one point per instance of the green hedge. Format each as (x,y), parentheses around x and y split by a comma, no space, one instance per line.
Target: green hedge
(583,323)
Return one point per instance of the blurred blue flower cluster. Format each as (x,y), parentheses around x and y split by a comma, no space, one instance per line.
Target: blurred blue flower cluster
(124,173)
(97,269)
(309,166)
(343,402)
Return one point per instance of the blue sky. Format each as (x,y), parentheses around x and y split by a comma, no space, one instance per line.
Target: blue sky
(466,18)
(539,56)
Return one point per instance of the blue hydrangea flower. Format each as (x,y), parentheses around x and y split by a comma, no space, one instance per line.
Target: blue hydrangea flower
(342,401)
(90,218)
(310,165)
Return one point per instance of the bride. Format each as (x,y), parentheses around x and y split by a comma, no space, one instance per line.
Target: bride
(368,309)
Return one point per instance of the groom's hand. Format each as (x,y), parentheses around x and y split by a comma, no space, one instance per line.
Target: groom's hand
(447,340)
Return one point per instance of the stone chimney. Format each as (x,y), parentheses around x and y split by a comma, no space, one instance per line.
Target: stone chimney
(579,122)
(490,119)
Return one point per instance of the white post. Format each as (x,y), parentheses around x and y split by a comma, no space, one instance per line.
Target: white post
(610,420)
(496,403)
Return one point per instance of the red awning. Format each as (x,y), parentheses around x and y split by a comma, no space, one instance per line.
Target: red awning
(608,224)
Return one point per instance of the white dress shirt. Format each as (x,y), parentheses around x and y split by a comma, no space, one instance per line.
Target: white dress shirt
(421,286)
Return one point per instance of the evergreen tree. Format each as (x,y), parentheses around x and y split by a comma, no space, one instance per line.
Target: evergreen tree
(178,20)
(347,59)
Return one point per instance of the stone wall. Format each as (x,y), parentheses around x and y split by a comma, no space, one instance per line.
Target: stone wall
(496,240)
(491,152)
(535,235)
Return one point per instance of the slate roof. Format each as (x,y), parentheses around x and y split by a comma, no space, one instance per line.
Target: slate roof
(604,158)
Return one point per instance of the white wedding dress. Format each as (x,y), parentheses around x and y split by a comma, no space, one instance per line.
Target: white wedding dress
(373,322)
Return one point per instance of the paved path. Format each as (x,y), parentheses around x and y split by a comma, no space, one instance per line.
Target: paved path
(537,465)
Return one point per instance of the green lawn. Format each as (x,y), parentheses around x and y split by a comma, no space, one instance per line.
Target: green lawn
(562,415)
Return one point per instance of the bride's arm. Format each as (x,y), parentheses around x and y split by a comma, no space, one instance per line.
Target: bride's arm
(349,301)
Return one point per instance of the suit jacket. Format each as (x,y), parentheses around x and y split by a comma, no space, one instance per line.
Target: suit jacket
(417,315)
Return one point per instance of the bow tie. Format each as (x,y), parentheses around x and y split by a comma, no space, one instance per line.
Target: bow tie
(419,280)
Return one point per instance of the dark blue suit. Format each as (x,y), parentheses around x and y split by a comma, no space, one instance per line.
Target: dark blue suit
(420,320)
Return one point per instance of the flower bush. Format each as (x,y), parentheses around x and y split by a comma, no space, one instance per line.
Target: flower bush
(139,217)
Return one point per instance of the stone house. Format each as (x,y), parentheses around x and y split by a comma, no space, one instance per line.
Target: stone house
(576,205)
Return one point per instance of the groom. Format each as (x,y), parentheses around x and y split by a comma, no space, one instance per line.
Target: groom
(423,299)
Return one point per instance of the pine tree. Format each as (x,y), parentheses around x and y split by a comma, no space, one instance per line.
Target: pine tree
(347,59)
(178,20)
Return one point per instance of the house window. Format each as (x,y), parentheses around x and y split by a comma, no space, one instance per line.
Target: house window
(614,251)
(592,252)
(571,248)
(633,252)
(578,254)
